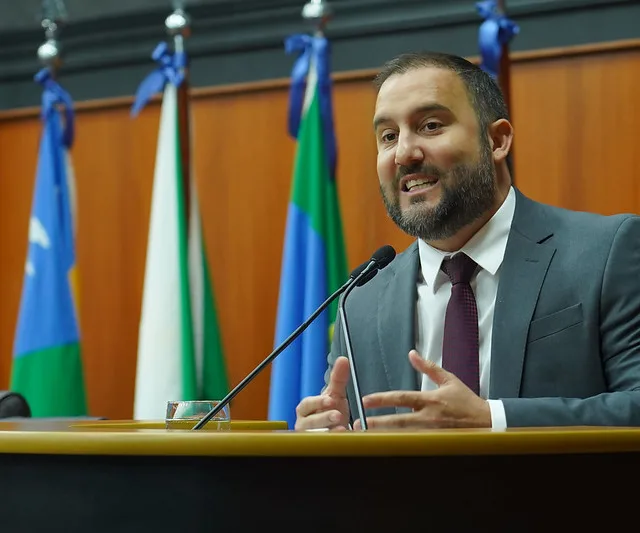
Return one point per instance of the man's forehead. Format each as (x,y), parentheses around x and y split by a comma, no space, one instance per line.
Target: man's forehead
(433,84)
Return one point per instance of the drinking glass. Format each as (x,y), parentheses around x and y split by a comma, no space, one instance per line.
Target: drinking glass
(185,415)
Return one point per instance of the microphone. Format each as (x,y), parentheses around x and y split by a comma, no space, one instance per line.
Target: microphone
(359,269)
(381,258)
(358,277)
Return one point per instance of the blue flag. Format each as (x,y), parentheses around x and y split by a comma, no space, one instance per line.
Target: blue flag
(47,367)
(314,261)
(496,31)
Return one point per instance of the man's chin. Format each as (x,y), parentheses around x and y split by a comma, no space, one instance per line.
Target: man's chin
(420,208)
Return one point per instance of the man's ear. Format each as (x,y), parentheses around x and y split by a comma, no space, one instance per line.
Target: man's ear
(500,138)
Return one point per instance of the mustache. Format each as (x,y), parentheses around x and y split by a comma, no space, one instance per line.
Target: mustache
(428,170)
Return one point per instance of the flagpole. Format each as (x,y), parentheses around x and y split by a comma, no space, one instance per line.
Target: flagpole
(178,27)
(54,16)
(313,256)
(50,52)
(504,80)
(504,74)
(318,13)
(47,367)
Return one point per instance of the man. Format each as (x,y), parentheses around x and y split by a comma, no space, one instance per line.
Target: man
(505,312)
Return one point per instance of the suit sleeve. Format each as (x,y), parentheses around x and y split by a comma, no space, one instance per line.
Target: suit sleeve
(619,348)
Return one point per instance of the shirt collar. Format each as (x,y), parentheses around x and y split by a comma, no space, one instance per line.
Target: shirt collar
(486,247)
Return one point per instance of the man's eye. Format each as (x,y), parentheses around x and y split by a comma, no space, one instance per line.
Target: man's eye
(432,126)
(388,137)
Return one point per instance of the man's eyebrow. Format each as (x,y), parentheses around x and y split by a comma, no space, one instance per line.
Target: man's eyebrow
(430,108)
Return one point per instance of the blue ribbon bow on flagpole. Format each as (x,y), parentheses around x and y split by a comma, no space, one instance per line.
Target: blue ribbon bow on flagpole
(317,49)
(52,95)
(170,70)
(496,31)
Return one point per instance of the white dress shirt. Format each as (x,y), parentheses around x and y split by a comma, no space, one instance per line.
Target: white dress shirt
(487,249)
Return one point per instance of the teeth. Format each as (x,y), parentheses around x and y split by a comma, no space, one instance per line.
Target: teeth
(415,183)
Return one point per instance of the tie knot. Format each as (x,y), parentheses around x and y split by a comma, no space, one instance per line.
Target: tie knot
(459,268)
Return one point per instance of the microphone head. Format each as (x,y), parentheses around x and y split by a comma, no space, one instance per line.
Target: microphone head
(383,256)
(380,259)
(367,277)
(359,269)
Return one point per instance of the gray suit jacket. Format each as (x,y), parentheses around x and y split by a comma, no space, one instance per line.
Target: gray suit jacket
(566,329)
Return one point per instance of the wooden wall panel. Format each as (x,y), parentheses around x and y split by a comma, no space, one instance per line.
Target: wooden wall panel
(114,161)
(243,171)
(576,119)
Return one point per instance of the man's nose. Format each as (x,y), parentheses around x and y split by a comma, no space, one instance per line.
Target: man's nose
(408,150)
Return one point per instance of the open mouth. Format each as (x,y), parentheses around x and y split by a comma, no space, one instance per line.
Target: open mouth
(416,184)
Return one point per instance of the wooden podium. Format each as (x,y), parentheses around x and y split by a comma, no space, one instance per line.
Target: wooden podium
(128,476)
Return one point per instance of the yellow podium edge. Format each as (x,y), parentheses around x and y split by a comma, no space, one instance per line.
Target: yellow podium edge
(96,441)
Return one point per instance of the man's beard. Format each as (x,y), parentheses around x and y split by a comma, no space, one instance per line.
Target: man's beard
(468,192)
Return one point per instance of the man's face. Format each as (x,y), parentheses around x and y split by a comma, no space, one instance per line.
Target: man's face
(435,167)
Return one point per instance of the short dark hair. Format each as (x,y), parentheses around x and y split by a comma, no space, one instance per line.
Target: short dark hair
(484,93)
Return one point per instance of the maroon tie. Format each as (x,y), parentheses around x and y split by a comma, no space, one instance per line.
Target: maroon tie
(460,344)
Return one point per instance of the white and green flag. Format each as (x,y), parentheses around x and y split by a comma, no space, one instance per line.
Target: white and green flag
(180,353)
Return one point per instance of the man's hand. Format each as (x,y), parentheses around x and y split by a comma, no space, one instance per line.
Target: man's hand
(330,409)
(452,405)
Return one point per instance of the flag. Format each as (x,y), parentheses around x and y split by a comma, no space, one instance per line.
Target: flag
(180,353)
(314,261)
(47,364)
(494,36)
(495,31)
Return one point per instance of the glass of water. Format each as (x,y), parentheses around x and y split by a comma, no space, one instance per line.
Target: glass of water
(186,414)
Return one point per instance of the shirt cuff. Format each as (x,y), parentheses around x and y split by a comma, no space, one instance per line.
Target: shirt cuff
(498,416)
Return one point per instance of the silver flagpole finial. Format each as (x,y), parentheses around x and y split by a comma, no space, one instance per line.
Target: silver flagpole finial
(318,12)
(54,15)
(178,23)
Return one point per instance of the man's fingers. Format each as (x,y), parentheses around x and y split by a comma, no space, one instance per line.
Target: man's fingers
(390,422)
(339,378)
(314,404)
(402,398)
(328,419)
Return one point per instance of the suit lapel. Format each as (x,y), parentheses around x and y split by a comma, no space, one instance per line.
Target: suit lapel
(396,321)
(526,261)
